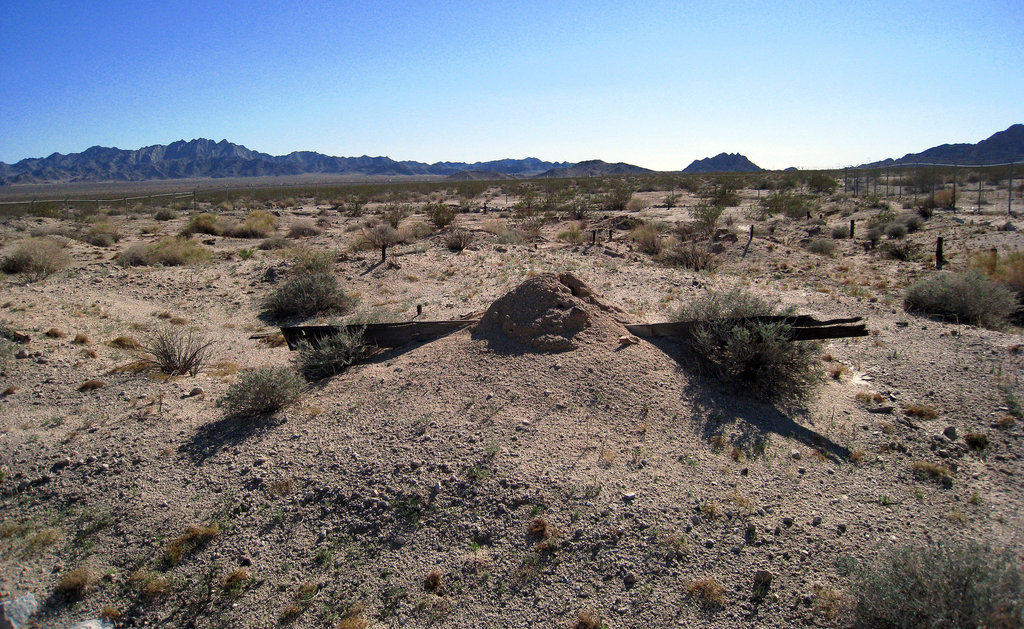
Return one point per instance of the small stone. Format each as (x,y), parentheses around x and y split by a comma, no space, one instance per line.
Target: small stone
(841,528)
(796,455)
(629,497)
(196,392)
(400,540)
(94,623)
(950,433)
(630,578)
(788,522)
(22,353)
(816,521)
(762,581)
(15,612)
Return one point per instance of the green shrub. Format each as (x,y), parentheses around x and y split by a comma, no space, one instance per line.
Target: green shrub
(758,356)
(822,246)
(895,231)
(307,295)
(331,355)
(706,216)
(165,214)
(274,242)
(395,213)
(263,391)
(788,204)
(821,183)
(440,214)
(168,251)
(1007,269)
(36,258)
(840,232)
(902,250)
(940,585)
(912,222)
(573,235)
(308,260)
(966,297)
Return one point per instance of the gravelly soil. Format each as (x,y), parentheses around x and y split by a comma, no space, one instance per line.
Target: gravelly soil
(536,485)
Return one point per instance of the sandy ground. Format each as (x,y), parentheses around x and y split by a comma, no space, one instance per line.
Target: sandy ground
(438,457)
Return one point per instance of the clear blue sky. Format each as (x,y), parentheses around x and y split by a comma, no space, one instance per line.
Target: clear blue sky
(658,84)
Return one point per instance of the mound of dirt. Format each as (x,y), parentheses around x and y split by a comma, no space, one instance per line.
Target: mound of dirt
(550,313)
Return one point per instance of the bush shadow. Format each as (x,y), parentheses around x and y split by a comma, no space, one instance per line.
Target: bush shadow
(231,430)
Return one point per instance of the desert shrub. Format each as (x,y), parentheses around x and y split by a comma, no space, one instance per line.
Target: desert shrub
(690,256)
(578,207)
(205,223)
(458,239)
(303,229)
(617,199)
(902,250)
(967,297)
(7,351)
(382,235)
(394,213)
(786,203)
(306,295)
(574,234)
(821,183)
(940,585)
(1007,269)
(822,246)
(840,232)
(258,224)
(912,222)
(331,355)
(263,391)
(647,238)
(168,251)
(440,214)
(706,216)
(36,258)
(757,355)
(274,242)
(102,234)
(165,214)
(194,538)
(637,204)
(895,231)
(177,351)
(306,260)
(882,219)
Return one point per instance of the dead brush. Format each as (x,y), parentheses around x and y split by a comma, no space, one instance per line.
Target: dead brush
(929,470)
(177,351)
(91,385)
(194,538)
(920,411)
(126,342)
(708,591)
(434,582)
(588,620)
(77,583)
(149,584)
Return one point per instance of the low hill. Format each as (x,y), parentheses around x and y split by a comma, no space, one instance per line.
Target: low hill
(722,163)
(595,168)
(1001,147)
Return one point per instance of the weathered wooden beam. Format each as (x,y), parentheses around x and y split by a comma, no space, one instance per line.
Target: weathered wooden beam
(379,334)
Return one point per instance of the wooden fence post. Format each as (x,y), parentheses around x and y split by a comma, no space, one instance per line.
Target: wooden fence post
(851,228)
(1009,189)
(979,189)
(939,261)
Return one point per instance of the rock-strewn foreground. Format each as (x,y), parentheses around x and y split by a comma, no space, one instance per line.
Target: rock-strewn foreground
(512,475)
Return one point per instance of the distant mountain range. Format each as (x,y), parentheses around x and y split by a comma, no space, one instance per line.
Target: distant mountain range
(204,158)
(722,163)
(1004,146)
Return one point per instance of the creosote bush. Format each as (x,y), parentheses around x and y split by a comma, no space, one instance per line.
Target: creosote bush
(258,224)
(647,238)
(458,239)
(303,228)
(940,585)
(755,354)
(307,294)
(689,255)
(822,246)
(263,391)
(967,297)
(203,224)
(37,258)
(331,355)
(178,351)
(440,214)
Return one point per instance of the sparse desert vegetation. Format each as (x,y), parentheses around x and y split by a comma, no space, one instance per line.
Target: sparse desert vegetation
(168,461)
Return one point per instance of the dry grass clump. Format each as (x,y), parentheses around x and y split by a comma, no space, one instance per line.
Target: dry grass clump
(168,251)
(572,235)
(303,228)
(689,255)
(755,354)
(203,224)
(459,239)
(102,234)
(921,411)
(263,391)
(822,246)
(194,538)
(940,585)
(42,539)
(434,582)
(81,339)
(966,297)
(1006,269)
(927,469)
(647,238)
(258,224)
(178,351)
(92,385)
(55,333)
(273,243)
(708,591)
(588,620)
(126,342)
(76,583)
(149,584)
(976,440)
(235,580)
(36,258)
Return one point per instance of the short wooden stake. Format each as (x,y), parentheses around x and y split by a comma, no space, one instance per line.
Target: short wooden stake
(851,228)
(939,261)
